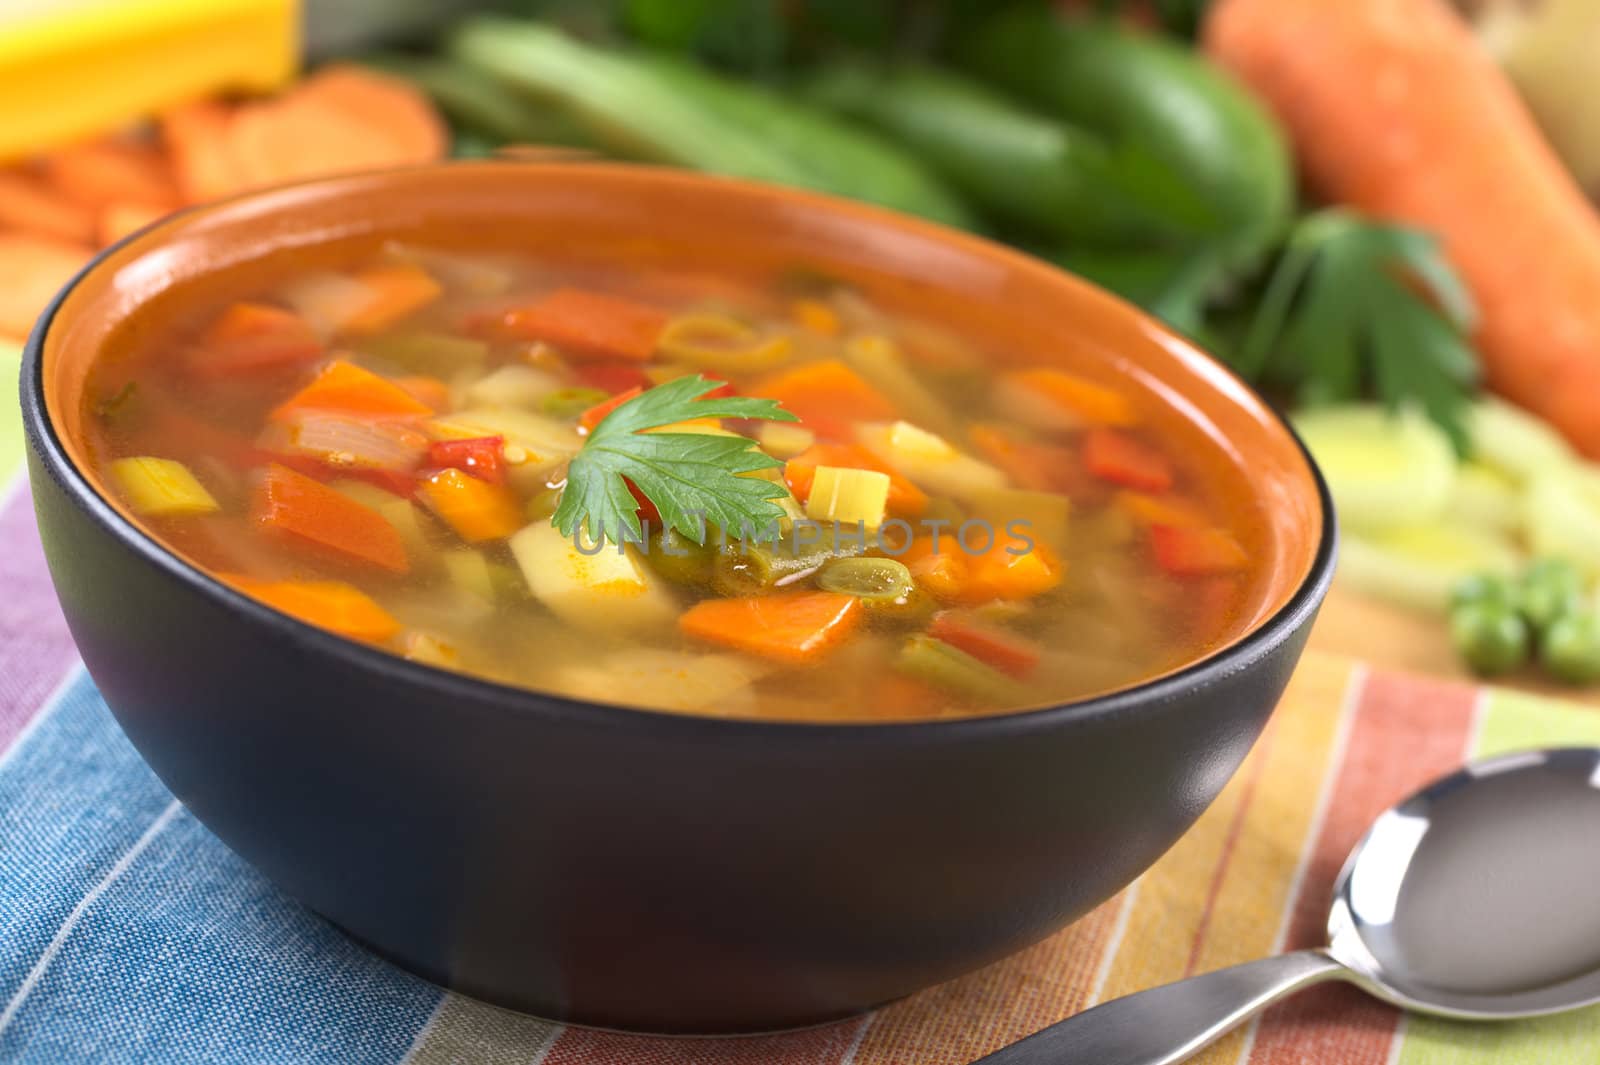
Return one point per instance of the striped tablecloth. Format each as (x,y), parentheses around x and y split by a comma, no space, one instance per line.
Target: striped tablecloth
(128,933)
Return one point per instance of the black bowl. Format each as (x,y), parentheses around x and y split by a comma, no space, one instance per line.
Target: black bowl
(627,868)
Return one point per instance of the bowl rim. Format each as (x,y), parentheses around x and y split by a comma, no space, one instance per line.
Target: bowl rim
(479,693)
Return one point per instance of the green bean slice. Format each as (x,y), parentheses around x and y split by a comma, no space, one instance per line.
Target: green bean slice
(867,578)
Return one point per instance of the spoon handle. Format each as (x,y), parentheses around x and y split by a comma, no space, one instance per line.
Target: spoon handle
(1166,1024)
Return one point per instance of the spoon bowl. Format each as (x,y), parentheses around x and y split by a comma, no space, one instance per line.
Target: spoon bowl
(1471,899)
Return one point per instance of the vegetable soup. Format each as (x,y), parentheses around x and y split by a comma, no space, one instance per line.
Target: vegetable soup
(767,499)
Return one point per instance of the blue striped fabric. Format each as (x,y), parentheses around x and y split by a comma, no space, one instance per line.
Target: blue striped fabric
(128,933)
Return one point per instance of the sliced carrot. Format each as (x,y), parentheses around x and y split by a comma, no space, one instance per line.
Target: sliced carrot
(329,125)
(897,697)
(26,203)
(398,292)
(815,316)
(394,105)
(344,386)
(118,220)
(196,138)
(611,377)
(332,605)
(430,391)
(475,509)
(1121,459)
(308,513)
(587,324)
(795,627)
(597,413)
(1187,552)
(1161,509)
(254,336)
(905,499)
(989,644)
(828,397)
(98,173)
(1077,399)
(1040,467)
(33,268)
(1215,606)
(998,573)
(944,573)
(1397,109)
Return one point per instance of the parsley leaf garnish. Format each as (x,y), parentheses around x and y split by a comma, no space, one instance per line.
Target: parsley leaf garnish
(695,480)
(1355,303)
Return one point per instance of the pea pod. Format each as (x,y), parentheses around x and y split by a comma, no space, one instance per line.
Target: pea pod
(1144,93)
(477,104)
(639,105)
(1061,180)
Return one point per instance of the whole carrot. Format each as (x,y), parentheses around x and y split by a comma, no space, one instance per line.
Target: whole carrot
(1395,109)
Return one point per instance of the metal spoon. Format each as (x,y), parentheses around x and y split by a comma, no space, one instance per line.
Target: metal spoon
(1474,898)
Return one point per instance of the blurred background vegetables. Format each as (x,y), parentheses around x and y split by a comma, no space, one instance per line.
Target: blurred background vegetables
(1371,209)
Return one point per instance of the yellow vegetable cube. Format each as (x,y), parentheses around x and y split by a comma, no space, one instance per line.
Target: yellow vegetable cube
(848,496)
(785,440)
(911,442)
(605,591)
(161,488)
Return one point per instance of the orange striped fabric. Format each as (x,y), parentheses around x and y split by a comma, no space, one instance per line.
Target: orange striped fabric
(1252,877)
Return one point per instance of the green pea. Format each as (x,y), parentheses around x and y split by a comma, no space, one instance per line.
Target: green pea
(1571,648)
(1550,588)
(1482,588)
(1491,637)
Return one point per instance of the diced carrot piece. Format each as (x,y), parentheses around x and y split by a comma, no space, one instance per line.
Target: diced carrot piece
(33,268)
(118,220)
(1039,467)
(828,397)
(897,697)
(254,336)
(1005,651)
(815,316)
(1121,459)
(1215,606)
(1161,510)
(1187,552)
(331,605)
(795,627)
(103,172)
(312,514)
(1077,398)
(483,457)
(431,391)
(597,413)
(905,499)
(196,138)
(999,574)
(611,377)
(943,573)
(344,386)
(475,509)
(33,207)
(398,291)
(587,324)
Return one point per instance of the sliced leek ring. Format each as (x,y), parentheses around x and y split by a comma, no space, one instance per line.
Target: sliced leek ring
(1561,515)
(1418,565)
(1514,442)
(1385,470)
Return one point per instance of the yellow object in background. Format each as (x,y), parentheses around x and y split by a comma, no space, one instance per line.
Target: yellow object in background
(70,69)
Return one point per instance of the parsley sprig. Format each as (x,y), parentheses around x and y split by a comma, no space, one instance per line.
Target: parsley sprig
(1355,303)
(696,481)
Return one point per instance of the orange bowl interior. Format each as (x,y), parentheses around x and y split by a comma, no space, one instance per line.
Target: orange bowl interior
(1017,308)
